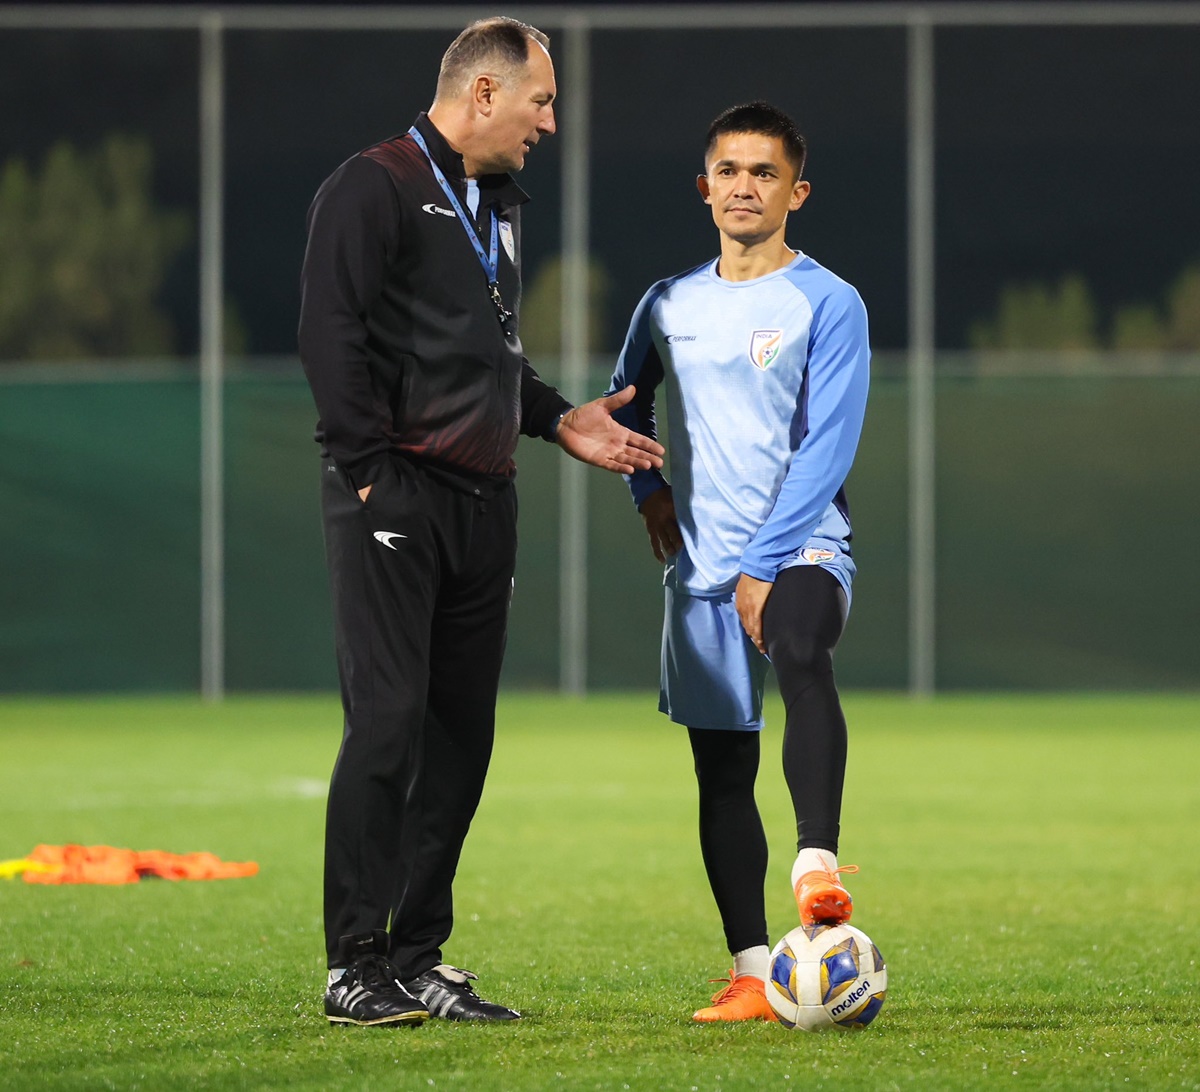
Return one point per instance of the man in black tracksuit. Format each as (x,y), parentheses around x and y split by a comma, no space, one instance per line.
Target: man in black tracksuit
(408,336)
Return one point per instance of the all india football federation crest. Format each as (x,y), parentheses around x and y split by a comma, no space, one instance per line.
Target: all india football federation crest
(506,237)
(764,347)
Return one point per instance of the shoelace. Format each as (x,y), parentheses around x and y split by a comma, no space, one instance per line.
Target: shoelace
(374,972)
(832,873)
(735,984)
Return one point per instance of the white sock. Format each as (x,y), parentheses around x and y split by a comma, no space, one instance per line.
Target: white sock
(808,860)
(334,974)
(752,961)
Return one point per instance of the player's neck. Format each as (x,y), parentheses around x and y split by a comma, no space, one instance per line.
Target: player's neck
(453,121)
(749,261)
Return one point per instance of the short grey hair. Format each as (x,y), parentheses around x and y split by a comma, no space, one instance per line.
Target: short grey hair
(499,46)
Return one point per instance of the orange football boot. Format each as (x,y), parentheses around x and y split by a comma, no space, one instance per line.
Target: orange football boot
(821,898)
(744,998)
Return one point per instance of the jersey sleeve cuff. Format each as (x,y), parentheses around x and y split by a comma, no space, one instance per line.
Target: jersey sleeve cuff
(644,482)
(551,433)
(759,572)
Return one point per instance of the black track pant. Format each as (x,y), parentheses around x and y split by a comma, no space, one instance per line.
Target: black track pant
(803,620)
(421,575)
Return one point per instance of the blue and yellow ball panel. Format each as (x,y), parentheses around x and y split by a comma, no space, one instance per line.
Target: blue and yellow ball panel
(862,1017)
(783,974)
(839,969)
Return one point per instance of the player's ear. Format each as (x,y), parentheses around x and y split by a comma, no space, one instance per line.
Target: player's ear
(483,92)
(702,186)
(800,192)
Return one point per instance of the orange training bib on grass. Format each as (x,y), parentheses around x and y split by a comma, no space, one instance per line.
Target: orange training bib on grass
(108,865)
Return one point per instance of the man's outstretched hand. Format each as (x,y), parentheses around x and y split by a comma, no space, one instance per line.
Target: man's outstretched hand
(589,434)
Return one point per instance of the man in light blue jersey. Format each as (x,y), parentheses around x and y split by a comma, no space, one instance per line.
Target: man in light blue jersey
(765,359)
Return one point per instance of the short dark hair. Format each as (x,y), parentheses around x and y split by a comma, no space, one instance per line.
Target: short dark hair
(760,117)
(499,41)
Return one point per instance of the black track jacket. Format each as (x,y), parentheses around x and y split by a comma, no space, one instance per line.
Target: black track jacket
(398,335)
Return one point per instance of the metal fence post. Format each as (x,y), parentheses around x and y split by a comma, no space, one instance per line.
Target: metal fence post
(212,484)
(573,526)
(921,342)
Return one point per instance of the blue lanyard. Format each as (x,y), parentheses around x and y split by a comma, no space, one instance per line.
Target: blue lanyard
(488,260)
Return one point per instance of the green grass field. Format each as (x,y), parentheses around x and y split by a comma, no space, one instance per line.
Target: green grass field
(1030,870)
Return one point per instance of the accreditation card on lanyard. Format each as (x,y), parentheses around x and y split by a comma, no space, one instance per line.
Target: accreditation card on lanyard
(489,259)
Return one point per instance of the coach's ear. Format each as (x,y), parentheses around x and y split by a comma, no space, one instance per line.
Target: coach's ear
(702,186)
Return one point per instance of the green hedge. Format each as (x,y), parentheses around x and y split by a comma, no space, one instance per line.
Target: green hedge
(1066,539)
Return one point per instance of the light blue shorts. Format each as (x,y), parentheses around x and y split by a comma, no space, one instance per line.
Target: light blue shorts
(712,675)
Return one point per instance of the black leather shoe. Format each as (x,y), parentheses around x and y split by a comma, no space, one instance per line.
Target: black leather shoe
(369,990)
(446,992)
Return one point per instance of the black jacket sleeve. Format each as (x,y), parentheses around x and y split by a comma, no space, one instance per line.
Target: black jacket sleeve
(541,405)
(353,235)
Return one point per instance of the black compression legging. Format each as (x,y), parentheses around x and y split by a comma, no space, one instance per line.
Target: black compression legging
(732,841)
(803,621)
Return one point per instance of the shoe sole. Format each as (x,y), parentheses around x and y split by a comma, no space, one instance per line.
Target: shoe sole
(700,1019)
(828,905)
(409,1019)
(475,1019)
(828,910)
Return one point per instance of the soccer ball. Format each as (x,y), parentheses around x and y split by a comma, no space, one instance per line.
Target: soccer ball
(826,976)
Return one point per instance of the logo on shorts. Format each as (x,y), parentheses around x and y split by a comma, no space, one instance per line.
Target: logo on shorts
(764,347)
(386,537)
(506,237)
(815,556)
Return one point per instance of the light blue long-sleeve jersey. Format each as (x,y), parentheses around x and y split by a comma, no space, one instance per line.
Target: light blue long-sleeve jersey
(765,404)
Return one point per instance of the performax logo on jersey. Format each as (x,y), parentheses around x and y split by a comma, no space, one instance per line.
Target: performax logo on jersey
(673,339)
(437,210)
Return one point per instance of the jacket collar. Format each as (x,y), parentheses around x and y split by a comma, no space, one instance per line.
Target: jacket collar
(497,188)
